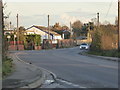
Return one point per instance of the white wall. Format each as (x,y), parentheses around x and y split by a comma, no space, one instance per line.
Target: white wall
(57,37)
(39,32)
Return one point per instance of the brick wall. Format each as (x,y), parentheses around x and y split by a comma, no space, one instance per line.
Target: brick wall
(15,45)
(38,47)
(66,43)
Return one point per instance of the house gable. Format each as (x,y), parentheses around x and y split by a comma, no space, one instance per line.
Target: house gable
(36,31)
(43,32)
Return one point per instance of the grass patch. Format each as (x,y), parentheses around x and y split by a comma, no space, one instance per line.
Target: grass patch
(7,66)
(109,53)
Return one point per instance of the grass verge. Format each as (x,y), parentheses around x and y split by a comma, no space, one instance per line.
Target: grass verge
(109,53)
(7,66)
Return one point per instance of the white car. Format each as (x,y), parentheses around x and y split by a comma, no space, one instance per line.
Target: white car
(84,46)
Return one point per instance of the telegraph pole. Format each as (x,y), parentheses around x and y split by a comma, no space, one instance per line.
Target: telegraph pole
(10,25)
(119,25)
(48,28)
(2,46)
(2,43)
(17,32)
(98,19)
(70,30)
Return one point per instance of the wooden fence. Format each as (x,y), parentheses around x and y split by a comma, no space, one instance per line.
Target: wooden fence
(49,44)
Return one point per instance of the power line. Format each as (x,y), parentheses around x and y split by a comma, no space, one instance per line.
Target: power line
(110,5)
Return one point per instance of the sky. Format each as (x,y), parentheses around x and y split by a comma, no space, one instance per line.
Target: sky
(35,12)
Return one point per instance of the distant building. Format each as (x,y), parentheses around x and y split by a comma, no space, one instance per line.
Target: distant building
(8,32)
(43,32)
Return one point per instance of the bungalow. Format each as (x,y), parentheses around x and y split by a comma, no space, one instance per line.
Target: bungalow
(43,32)
(6,32)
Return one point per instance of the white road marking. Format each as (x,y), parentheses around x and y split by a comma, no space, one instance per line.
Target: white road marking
(71,84)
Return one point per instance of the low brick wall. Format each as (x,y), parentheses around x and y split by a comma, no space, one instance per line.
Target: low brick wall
(66,43)
(15,47)
(16,42)
(12,47)
(20,47)
(38,47)
(47,44)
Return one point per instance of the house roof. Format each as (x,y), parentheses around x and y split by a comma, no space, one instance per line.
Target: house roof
(9,30)
(44,29)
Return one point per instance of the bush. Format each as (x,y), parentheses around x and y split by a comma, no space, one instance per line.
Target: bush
(96,43)
(104,37)
(6,66)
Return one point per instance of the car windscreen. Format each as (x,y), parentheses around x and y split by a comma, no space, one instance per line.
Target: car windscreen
(84,44)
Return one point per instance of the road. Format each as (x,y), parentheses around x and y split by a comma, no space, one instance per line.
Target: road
(68,65)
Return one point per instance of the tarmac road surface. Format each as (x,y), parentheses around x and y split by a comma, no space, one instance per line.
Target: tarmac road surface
(68,65)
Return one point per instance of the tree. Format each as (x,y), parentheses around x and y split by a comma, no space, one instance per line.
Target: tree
(96,41)
(57,26)
(109,37)
(65,27)
(87,27)
(37,40)
(61,29)
(6,16)
(77,25)
(32,40)
(104,38)
(21,33)
(4,25)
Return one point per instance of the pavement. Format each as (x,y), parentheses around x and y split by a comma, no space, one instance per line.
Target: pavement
(24,76)
(30,76)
